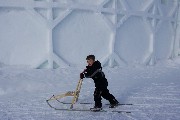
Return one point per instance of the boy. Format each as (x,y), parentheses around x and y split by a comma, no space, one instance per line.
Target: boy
(94,71)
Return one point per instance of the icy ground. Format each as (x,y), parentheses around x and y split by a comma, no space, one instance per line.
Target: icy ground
(153,91)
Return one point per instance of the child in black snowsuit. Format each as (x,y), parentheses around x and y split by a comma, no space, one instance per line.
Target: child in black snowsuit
(94,71)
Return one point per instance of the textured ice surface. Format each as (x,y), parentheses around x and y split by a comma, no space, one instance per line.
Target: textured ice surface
(153,91)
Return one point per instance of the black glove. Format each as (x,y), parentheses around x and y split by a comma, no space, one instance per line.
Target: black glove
(82,75)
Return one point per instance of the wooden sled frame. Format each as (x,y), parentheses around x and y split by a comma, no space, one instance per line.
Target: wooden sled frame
(74,94)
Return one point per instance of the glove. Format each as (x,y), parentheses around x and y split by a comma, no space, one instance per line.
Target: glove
(81,75)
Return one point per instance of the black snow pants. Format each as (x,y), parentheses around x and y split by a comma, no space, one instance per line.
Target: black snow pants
(102,92)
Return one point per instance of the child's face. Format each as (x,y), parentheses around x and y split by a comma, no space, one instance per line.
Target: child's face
(90,62)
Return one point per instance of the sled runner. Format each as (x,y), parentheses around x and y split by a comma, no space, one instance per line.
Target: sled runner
(75,95)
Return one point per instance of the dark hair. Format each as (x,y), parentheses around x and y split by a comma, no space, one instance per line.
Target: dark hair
(90,57)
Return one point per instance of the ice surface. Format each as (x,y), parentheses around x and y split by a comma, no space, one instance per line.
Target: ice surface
(153,91)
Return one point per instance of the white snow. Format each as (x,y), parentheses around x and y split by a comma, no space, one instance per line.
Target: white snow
(127,36)
(153,91)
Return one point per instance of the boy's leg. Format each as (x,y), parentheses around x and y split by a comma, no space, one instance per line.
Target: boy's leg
(106,95)
(97,98)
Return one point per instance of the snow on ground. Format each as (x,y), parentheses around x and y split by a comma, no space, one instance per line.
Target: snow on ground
(153,91)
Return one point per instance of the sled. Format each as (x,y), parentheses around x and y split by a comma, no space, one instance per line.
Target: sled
(74,94)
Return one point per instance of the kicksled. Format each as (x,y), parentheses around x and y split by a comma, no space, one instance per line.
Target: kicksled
(75,95)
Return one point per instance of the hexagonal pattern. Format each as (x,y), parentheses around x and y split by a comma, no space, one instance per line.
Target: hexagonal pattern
(119,27)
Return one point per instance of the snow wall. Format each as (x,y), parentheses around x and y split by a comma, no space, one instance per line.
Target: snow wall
(61,33)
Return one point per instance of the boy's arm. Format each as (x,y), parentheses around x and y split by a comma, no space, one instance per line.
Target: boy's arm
(86,73)
(91,71)
(82,74)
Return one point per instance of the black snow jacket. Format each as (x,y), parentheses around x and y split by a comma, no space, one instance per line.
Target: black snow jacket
(95,72)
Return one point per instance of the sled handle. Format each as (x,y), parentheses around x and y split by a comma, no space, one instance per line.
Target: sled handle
(76,94)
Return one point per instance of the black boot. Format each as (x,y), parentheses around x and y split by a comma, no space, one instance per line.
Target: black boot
(114,103)
(96,108)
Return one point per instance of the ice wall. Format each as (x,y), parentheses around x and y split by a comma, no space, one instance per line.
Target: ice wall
(61,33)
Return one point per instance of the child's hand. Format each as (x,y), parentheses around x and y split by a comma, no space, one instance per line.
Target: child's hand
(81,75)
